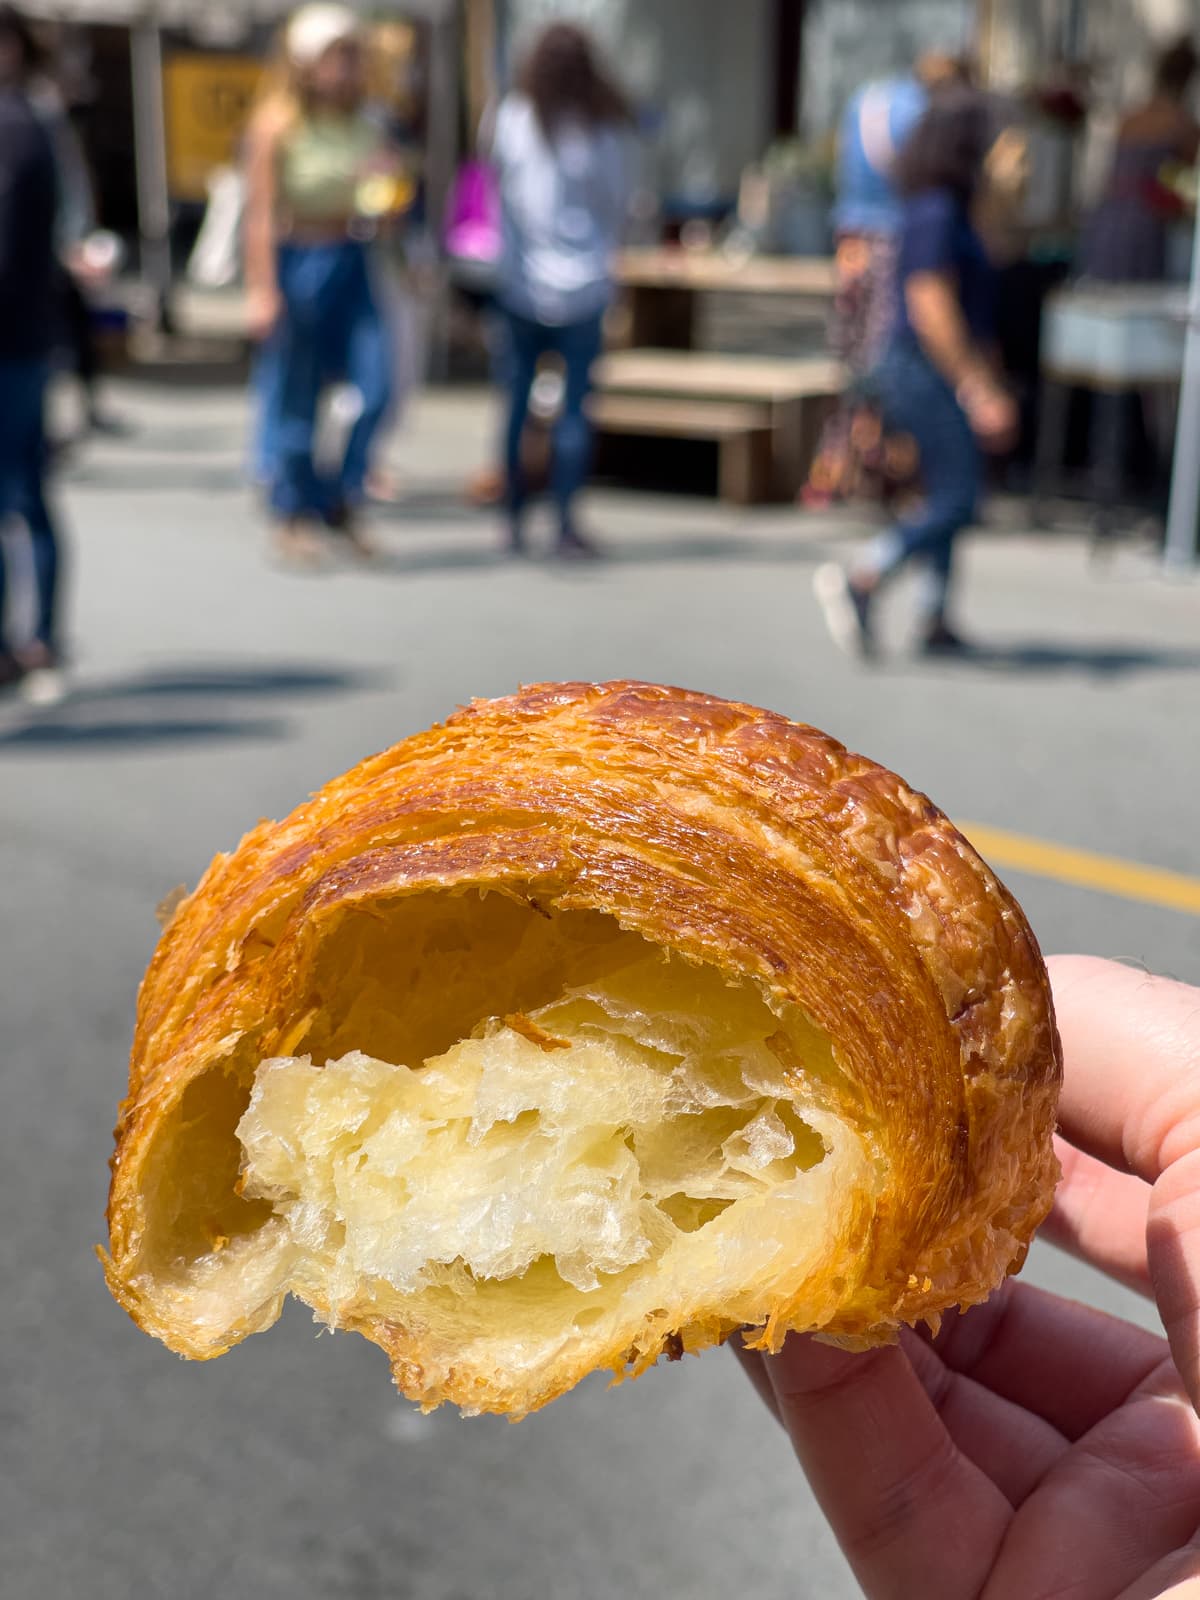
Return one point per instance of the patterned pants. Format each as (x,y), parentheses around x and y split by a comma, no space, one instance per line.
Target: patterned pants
(855,456)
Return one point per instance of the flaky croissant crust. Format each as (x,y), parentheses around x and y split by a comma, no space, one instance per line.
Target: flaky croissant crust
(724,833)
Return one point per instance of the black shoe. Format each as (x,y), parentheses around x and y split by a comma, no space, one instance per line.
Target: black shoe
(342,518)
(103,422)
(337,515)
(846,609)
(941,640)
(572,546)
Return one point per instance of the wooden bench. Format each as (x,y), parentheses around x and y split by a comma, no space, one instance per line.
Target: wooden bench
(741,431)
(662,287)
(791,397)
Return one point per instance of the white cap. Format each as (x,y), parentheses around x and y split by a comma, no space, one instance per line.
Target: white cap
(315,28)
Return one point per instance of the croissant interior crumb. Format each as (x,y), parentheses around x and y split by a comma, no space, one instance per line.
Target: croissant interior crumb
(605,1171)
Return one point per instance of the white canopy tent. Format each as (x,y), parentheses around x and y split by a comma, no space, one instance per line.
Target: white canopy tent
(211,18)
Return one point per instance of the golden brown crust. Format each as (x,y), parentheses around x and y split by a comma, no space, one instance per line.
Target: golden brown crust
(728,834)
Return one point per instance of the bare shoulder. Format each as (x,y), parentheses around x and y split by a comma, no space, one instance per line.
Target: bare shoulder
(269,126)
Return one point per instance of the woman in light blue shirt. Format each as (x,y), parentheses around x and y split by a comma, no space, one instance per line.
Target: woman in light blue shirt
(559,150)
(876,125)
(937,381)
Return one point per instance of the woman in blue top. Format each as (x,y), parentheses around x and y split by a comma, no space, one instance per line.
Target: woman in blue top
(937,381)
(560,154)
(1126,238)
(867,216)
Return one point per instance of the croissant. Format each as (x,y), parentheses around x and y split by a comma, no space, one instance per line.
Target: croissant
(592,1025)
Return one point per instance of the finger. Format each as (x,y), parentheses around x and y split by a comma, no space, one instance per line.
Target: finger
(1173,1248)
(1176,1578)
(753,1365)
(1066,1363)
(912,1514)
(1100,1216)
(1131,1095)
(1119,1503)
(1012,1446)
(1131,1049)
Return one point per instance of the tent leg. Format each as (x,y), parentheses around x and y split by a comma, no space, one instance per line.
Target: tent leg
(150,159)
(442,142)
(1183,516)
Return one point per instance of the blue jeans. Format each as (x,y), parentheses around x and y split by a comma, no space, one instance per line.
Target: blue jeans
(263,464)
(917,400)
(578,343)
(331,330)
(22,488)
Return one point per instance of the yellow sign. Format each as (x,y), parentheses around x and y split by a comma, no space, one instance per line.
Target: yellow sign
(208,99)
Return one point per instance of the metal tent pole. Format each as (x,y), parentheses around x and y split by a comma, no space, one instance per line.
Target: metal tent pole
(1074,30)
(150,160)
(1183,516)
(440,152)
(443,113)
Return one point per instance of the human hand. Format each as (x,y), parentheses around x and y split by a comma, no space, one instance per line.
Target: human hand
(84,268)
(1036,1447)
(1008,165)
(264,307)
(992,413)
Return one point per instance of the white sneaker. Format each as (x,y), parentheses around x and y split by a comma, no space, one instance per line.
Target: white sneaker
(847,613)
(44,687)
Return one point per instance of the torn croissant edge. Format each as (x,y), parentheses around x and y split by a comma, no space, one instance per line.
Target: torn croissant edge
(723,834)
(170,903)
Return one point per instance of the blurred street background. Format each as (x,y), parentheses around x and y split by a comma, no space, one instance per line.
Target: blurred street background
(215,690)
(206,672)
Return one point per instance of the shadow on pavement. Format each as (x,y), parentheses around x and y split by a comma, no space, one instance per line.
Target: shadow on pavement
(430,505)
(59,732)
(459,558)
(431,502)
(745,549)
(248,678)
(1102,660)
(153,478)
(739,547)
(185,704)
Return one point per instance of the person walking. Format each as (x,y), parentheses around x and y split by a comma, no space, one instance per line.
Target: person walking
(28,208)
(1125,240)
(76,269)
(561,161)
(937,380)
(406,266)
(867,216)
(313,158)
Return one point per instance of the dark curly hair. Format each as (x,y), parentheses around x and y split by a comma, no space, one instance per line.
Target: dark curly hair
(946,149)
(564,79)
(1175,67)
(15,29)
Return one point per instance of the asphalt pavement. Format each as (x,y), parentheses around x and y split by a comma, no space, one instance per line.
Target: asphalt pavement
(212,688)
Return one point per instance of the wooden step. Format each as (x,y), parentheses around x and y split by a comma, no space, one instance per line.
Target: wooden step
(700,375)
(676,419)
(742,433)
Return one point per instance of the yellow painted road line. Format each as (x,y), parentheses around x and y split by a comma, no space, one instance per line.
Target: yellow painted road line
(1153,886)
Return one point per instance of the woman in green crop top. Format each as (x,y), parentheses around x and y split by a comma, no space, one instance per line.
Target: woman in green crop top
(318,176)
